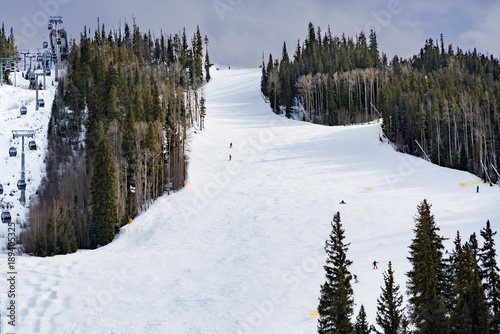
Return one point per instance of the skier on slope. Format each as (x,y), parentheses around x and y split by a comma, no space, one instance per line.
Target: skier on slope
(375,265)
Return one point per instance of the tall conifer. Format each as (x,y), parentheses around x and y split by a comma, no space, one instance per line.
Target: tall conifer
(490,276)
(362,326)
(389,305)
(425,285)
(103,191)
(336,301)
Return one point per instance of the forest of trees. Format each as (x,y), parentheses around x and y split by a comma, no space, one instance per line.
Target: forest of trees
(117,134)
(7,49)
(456,292)
(446,100)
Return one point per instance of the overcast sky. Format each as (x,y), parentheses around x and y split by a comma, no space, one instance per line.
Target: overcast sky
(239,31)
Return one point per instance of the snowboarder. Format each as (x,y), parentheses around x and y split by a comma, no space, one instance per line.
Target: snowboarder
(230,145)
(355,278)
(375,265)
(230,157)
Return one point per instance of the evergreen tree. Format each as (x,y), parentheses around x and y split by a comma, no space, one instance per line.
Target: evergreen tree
(41,245)
(465,322)
(362,326)
(490,276)
(207,61)
(470,310)
(389,305)
(264,80)
(425,285)
(373,48)
(156,108)
(284,77)
(336,301)
(103,191)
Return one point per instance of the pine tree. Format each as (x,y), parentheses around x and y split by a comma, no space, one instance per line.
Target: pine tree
(425,290)
(362,326)
(373,48)
(264,80)
(156,108)
(336,301)
(41,244)
(103,191)
(207,61)
(491,277)
(470,310)
(389,305)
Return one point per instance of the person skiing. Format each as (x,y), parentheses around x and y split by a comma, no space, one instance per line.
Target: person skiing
(355,278)
(230,157)
(375,265)
(477,189)
(230,145)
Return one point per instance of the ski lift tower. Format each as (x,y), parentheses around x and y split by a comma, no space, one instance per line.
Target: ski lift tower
(53,22)
(22,181)
(24,52)
(36,74)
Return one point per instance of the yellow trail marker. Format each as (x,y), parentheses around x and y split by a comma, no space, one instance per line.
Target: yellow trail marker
(314,313)
(470,183)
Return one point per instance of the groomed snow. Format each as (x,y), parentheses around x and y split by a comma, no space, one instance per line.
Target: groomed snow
(240,249)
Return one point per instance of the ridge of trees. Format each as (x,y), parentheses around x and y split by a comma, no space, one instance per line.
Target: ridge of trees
(117,134)
(446,99)
(454,292)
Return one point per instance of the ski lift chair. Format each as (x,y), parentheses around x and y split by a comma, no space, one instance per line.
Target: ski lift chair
(6,217)
(21,185)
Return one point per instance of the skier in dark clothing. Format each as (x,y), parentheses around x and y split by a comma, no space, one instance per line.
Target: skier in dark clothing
(230,145)
(355,278)
(477,189)
(375,265)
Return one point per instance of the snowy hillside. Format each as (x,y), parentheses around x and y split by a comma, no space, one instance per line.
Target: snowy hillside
(240,249)
(11,100)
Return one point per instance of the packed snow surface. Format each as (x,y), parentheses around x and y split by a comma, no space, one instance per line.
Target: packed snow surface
(240,248)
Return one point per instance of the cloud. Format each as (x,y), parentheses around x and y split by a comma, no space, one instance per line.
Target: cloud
(241,30)
(485,35)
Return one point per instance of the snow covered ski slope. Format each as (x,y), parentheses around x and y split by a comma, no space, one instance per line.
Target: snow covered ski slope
(11,100)
(240,249)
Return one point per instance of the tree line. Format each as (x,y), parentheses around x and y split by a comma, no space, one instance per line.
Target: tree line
(117,134)
(332,79)
(456,292)
(441,103)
